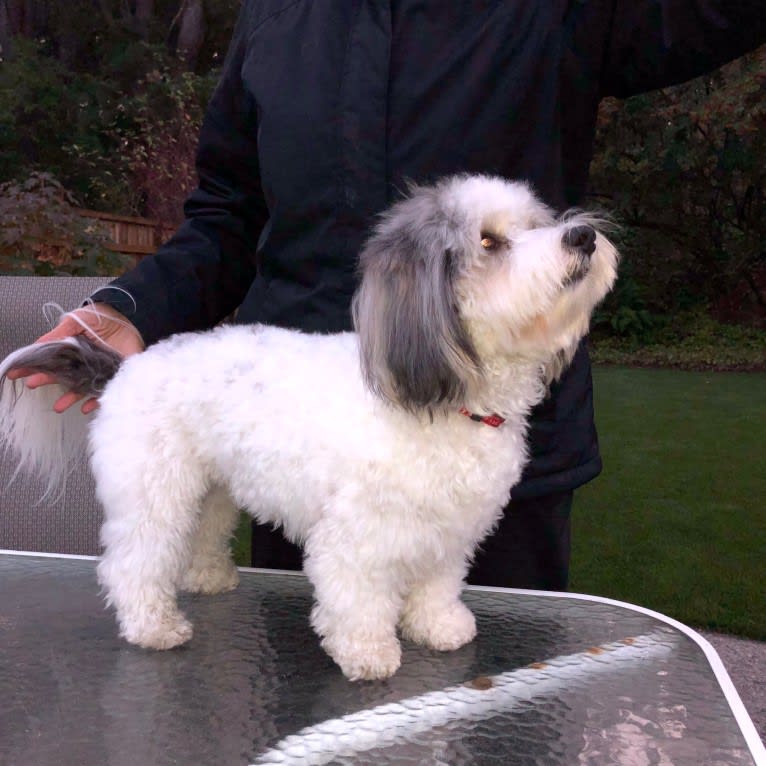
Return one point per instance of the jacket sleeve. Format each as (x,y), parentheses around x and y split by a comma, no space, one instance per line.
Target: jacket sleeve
(204,271)
(655,43)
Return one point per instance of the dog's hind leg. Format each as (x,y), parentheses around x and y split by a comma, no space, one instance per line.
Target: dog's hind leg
(433,613)
(210,568)
(151,509)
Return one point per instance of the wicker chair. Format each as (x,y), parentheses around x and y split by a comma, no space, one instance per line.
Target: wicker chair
(69,524)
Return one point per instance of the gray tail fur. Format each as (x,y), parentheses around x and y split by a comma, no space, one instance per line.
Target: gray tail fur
(42,441)
(81,365)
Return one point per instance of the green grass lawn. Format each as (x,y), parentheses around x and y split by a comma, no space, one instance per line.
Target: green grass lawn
(677,520)
(241,548)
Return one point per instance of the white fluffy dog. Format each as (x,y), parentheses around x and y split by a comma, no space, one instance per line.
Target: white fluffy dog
(388,453)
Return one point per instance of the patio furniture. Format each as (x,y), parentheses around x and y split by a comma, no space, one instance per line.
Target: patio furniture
(555,679)
(70,523)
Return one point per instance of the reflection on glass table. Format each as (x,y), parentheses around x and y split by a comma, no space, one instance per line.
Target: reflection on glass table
(551,679)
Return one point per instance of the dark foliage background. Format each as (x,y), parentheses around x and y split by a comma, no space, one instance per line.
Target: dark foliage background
(684,172)
(106,97)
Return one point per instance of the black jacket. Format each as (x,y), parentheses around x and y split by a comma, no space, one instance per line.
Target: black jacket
(325,109)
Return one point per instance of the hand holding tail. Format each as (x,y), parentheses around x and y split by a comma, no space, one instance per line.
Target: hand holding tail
(74,361)
(98,321)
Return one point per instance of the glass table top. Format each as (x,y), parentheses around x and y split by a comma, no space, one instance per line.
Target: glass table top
(550,679)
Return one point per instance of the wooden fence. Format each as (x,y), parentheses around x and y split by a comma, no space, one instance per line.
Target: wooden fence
(137,237)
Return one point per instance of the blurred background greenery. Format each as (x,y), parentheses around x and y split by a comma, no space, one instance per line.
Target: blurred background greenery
(105,97)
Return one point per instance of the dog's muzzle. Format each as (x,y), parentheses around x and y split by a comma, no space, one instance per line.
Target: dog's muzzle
(580,241)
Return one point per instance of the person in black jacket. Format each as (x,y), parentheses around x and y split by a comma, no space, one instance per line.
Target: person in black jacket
(325,110)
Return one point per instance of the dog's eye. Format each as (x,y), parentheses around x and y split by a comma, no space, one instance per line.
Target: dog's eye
(490,243)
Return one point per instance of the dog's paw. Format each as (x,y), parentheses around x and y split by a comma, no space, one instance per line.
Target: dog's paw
(166,633)
(207,577)
(365,659)
(443,630)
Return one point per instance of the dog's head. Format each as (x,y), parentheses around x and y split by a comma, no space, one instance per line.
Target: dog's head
(467,274)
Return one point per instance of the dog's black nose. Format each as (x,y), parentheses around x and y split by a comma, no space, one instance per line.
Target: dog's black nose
(580,238)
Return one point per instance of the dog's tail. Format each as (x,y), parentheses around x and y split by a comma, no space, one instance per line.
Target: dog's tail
(42,441)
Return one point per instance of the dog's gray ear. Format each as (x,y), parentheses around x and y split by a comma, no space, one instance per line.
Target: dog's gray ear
(415,351)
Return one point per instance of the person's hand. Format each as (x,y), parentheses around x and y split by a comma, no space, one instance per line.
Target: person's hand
(99,320)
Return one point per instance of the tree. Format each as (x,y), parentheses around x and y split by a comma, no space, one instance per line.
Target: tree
(187,32)
(197,31)
(685,169)
(109,108)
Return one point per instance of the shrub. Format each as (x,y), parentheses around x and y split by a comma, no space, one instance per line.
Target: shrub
(122,139)
(160,145)
(684,169)
(42,234)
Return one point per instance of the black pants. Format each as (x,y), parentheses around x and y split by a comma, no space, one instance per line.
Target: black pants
(529,548)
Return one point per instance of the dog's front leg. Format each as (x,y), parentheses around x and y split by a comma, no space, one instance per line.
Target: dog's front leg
(358,600)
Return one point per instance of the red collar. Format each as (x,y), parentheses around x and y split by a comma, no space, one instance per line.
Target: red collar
(489,420)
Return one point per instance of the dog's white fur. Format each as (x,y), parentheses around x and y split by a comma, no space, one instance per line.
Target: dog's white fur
(352,443)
